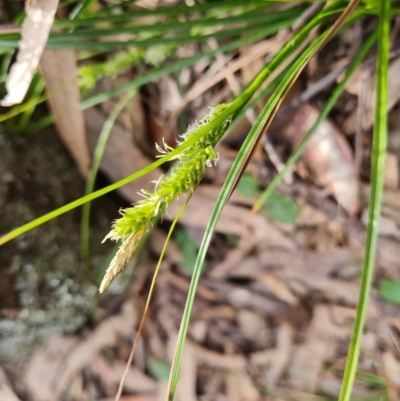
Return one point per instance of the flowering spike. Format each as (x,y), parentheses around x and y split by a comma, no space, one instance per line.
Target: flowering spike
(136,221)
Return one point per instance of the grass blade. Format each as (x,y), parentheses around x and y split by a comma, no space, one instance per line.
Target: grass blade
(258,128)
(97,157)
(149,297)
(379,145)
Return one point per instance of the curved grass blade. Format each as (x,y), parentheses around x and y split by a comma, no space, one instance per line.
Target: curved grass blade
(97,157)
(324,113)
(379,145)
(259,127)
(169,27)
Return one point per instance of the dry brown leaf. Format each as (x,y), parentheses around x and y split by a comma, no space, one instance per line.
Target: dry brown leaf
(391,178)
(239,386)
(35,31)
(59,70)
(320,344)
(217,360)
(252,324)
(310,216)
(391,367)
(110,376)
(121,157)
(232,220)
(276,359)
(278,288)
(106,334)
(328,155)
(350,124)
(45,367)
(295,263)
(6,392)
(243,298)
(139,397)
(390,221)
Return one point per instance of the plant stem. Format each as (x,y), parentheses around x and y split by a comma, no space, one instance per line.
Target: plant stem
(377,173)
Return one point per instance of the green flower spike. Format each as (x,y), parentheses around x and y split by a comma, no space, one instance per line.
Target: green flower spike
(136,221)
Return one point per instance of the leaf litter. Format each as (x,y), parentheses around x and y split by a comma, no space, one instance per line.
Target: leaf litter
(274,311)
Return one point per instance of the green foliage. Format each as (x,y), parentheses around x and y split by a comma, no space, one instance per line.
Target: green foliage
(248,186)
(189,249)
(375,200)
(279,207)
(389,290)
(90,74)
(158,369)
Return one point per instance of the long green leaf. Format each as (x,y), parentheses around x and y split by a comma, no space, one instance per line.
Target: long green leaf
(379,145)
(243,154)
(161,11)
(177,26)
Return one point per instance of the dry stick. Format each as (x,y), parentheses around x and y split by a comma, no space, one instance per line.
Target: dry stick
(149,297)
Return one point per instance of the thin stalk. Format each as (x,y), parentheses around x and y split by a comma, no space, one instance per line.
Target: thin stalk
(379,145)
(149,297)
(97,157)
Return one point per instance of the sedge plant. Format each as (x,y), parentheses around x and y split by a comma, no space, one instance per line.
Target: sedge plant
(196,149)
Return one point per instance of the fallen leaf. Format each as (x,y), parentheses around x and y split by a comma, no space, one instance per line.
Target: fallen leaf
(6,392)
(391,178)
(45,367)
(327,155)
(35,31)
(106,334)
(232,219)
(139,397)
(391,367)
(276,359)
(319,345)
(278,288)
(110,376)
(240,387)
(350,124)
(217,360)
(59,70)
(252,324)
